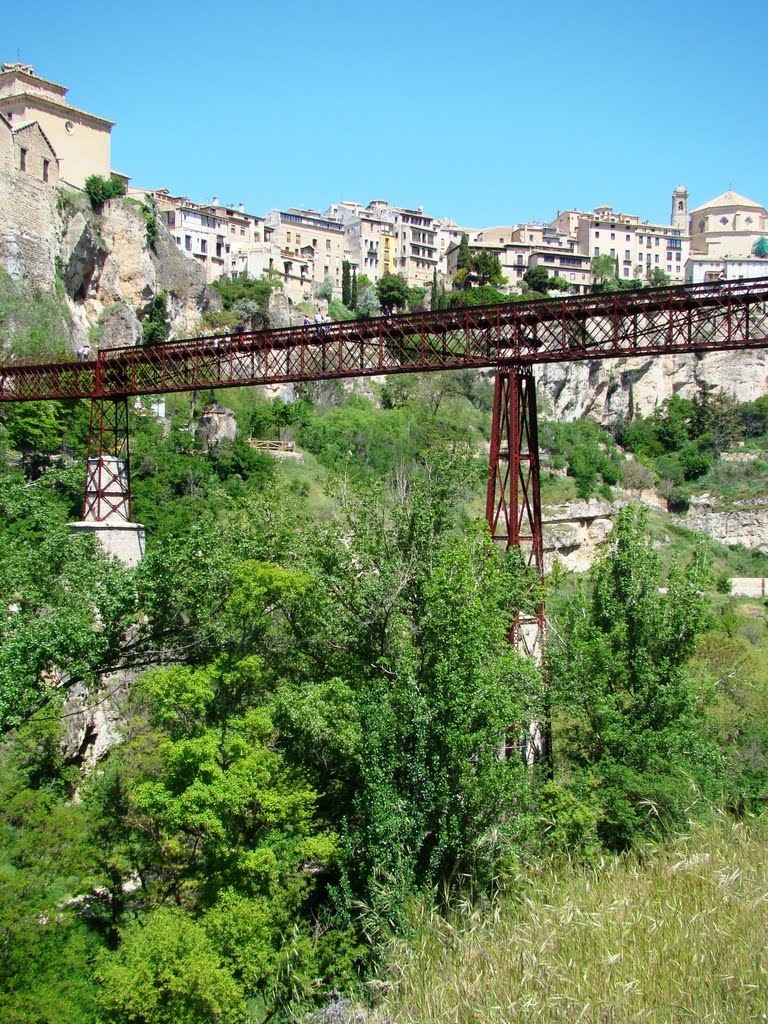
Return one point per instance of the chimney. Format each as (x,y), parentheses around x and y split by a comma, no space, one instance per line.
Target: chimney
(215,200)
(242,207)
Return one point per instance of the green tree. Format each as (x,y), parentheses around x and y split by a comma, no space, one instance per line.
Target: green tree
(628,725)
(356,287)
(99,189)
(658,278)
(324,290)
(157,323)
(392,291)
(167,971)
(715,419)
(34,426)
(537,279)
(346,284)
(604,269)
(487,268)
(464,256)
(367,302)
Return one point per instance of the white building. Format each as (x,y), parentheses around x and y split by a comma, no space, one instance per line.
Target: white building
(637,246)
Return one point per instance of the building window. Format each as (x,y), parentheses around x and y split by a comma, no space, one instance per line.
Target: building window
(657,257)
(178,241)
(627,256)
(188,243)
(288,236)
(46,169)
(613,236)
(203,245)
(597,250)
(327,243)
(23,159)
(658,240)
(597,234)
(669,268)
(626,271)
(613,254)
(627,238)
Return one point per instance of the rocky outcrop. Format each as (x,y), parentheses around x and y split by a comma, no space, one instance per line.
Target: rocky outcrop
(744,522)
(574,530)
(606,390)
(109,272)
(83,254)
(92,721)
(216,424)
(118,326)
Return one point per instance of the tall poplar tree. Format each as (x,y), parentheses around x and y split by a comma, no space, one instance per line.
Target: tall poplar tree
(346,284)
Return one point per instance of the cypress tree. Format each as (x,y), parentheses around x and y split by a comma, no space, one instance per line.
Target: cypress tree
(346,284)
(352,304)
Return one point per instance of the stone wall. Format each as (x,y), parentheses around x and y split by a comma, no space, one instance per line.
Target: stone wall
(28,215)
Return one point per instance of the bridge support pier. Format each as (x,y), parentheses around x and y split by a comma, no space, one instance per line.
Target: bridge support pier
(107,502)
(513,513)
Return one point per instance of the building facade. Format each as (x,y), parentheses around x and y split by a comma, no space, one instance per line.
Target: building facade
(311,251)
(728,226)
(636,246)
(81,140)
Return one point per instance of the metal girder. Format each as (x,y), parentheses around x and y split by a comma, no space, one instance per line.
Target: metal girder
(513,499)
(107,486)
(652,321)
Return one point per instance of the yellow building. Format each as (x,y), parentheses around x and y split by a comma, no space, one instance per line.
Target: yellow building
(81,140)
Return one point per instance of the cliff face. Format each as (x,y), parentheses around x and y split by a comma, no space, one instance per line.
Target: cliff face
(605,390)
(99,266)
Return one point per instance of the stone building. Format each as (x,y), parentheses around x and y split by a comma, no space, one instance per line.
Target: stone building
(521,247)
(637,246)
(81,140)
(311,251)
(29,174)
(728,226)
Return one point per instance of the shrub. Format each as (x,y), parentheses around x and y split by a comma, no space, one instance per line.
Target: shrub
(99,189)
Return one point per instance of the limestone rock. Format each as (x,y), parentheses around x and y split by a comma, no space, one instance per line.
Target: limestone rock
(119,326)
(83,255)
(92,720)
(606,389)
(216,423)
(746,524)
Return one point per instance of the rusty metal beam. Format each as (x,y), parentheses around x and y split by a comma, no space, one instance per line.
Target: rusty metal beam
(653,321)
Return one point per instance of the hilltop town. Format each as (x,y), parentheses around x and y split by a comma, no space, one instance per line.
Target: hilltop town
(59,145)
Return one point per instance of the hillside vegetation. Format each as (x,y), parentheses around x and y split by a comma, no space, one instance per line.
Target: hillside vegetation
(321,720)
(664,934)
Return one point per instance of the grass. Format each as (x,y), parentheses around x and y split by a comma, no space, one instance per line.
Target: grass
(675,934)
(31,323)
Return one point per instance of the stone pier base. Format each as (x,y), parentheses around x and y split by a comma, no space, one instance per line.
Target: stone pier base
(122,539)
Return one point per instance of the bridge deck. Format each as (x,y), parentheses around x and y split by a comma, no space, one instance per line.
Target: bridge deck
(686,318)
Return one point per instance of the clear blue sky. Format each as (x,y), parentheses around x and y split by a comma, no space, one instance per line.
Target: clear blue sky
(486,112)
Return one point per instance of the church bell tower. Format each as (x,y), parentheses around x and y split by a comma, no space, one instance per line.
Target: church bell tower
(679,217)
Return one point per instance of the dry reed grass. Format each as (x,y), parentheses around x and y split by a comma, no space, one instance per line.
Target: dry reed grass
(663,935)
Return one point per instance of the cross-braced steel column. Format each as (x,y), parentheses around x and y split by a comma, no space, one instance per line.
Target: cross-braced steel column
(513,504)
(513,512)
(107,486)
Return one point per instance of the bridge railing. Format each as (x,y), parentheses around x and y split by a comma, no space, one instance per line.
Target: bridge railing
(655,320)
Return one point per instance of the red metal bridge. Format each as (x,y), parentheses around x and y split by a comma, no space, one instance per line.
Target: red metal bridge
(510,337)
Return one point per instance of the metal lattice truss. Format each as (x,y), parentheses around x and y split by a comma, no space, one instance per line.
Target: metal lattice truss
(107,485)
(513,502)
(657,321)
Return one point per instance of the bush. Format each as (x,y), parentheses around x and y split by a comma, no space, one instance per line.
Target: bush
(695,463)
(99,189)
